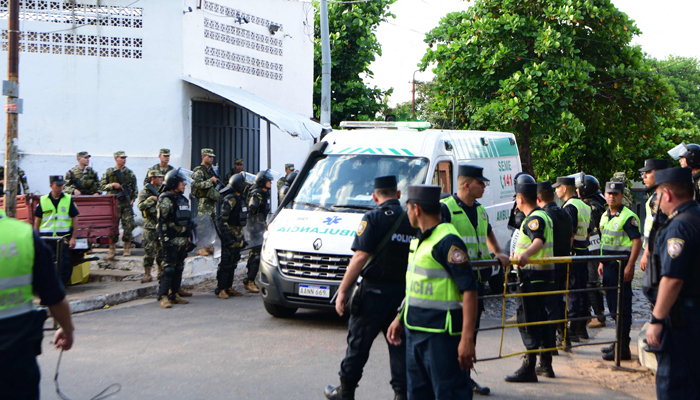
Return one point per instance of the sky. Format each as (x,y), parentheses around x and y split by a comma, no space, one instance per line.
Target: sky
(668,27)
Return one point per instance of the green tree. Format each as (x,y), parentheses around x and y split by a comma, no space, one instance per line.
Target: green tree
(425,107)
(354,46)
(684,75)
(561,75)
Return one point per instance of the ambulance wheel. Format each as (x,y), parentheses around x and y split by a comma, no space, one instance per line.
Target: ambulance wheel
(279,311)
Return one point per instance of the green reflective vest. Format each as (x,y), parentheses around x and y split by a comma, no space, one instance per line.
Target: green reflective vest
(613,238)
(431,292)
(16,266)
(55,221)
(474,239)
(547,249)
(584,221)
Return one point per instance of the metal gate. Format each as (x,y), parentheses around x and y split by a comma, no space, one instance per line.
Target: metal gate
(232,132)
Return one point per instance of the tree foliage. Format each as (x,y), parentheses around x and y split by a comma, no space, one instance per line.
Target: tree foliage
(354,46)
(684,75)
(424,108)
(561,75)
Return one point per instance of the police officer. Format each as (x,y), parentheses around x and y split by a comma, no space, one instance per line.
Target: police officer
(163,167)
(652,214)
(619,235)
(231,222)
(204,186)
(469,218)
(580,214)
(175,231)
(148,199)
(288,169)
(379,295)
(440,307)
(562,229)
(55,216)
(675,321)
(589,192)
(536,240)
(258,209)
(21,181)
(288,181)
(82,179)
(27,268)
(691,159)
(126,195)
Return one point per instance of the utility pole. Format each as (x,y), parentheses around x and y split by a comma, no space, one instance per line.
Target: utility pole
(413,98)
(13,107)
(325,68)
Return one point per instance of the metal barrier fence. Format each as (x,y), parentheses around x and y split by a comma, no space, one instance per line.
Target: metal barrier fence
(557,260)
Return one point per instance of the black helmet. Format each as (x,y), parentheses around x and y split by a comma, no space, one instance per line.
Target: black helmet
(237,182)
(263,177)
(589,187)
(290,178)
(525,183)
(692,155)
(173,178)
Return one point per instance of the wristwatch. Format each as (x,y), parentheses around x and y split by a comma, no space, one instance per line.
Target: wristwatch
(654,320)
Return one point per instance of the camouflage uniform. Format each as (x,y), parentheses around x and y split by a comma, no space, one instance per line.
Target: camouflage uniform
(22,181)
(87,178)
(151,244)
(157,168)
(283,180)
(173,234)
(627,199)
(204,189)
(259,206)
(124,210)
(231,223)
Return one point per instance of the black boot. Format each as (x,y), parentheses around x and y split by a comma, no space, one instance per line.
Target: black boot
(545,367)
(571,333)
(526,372)
(563,343)
(625,355)
(582,331)
(400,395)
(345,391)
(608,349)
(478,389)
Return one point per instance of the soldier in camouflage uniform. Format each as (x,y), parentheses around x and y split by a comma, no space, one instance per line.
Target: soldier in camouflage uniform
(259,206)
(127,195)
(82,179)
(22,181)
(237,169)
(204,186)
(174,228)
(288,169)
(148,198)
(627,199)
(231,223)
(163,166)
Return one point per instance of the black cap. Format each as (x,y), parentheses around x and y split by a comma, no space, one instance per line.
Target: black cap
(673,175)
(473,171)
(542,186)
(653,164)
(384,182)
(424,194)
(614,187)
(57,179)
(564,180)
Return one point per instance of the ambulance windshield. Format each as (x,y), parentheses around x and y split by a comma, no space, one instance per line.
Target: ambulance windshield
(346,182)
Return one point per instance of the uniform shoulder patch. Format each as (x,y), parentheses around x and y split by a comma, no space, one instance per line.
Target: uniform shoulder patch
(533,224)
(635,223)
(674,246)
(361,228)
(456,255)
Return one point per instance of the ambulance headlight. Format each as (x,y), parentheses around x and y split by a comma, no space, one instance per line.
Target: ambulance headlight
(269,255)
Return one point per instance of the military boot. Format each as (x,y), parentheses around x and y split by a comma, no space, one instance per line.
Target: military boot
(596,323)
(146,275)
(345,391)
(571,333)
(526,372)
(233,292)
(223,295)
(478,389)
(112,252)
(183,293)
(127,249)
(178,300)
(251,287)
(165,302)
(159,271)
(545,367)
(608,349)
(581,330)
(625,355)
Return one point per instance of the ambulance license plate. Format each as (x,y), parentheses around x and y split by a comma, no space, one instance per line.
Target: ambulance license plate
(314,291)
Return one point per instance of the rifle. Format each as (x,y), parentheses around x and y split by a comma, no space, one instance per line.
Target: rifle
(123,193)
(152,189)
(219,185)
(76,183)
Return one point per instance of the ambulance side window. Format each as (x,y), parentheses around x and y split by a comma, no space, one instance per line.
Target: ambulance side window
(443,176)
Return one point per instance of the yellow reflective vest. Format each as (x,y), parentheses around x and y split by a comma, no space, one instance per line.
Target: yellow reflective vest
(55,221)
(16,267)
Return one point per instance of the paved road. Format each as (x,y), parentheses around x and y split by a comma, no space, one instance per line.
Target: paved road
(215,349)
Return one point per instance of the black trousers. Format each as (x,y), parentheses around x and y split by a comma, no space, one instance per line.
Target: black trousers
(253,264)
(578,279)
(679,359)
(227,267)
(534,309)
(377,309)
(63,267)
(173,265)
(595,298)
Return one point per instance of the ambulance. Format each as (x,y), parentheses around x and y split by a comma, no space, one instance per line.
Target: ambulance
(306,249)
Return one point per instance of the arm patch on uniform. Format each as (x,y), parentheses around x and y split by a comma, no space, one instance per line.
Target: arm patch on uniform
(534,224)
(361,228)
(456,255)
(674,246)
(635,223)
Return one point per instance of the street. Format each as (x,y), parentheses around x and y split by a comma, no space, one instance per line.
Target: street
(233,349)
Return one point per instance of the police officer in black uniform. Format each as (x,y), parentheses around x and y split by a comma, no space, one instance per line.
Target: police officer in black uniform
(691,159)
(374,304)
(675,320)
(231,221)
(652,221)
(563,233)
(258,209)
(589,192)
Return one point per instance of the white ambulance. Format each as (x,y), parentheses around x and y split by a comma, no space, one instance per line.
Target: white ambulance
(307,244)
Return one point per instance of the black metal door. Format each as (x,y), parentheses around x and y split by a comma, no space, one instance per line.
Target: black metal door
(232,132)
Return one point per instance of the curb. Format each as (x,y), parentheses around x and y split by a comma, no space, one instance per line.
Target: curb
(112,299)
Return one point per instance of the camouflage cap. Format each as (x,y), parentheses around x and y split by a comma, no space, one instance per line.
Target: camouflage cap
(119,153)
(82,154)
(155,174)
(238,161)
(619,177)
(208,152)
(164,152)
(289,167)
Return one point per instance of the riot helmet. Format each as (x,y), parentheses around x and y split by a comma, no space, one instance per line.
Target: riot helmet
(237,182)
(692,155)
(589,187)
(290,178)
(263,177)
(525,183)
(173,178)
